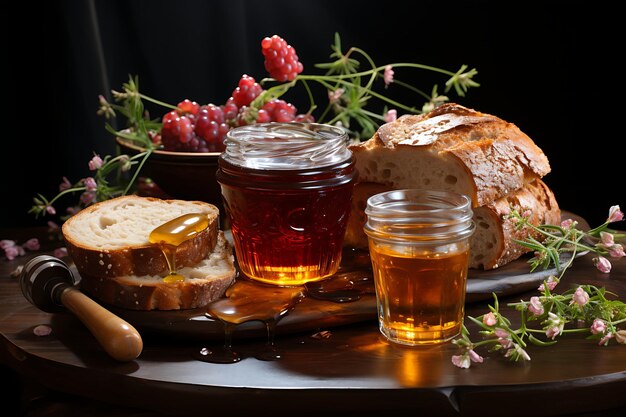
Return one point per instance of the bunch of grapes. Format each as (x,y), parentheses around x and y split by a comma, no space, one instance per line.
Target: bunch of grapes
(195,128)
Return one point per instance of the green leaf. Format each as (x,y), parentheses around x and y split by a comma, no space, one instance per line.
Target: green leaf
(539,342)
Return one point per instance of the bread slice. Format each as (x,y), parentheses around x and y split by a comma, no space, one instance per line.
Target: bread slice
(451,148)
(204,282)
(492,243)
(111,238)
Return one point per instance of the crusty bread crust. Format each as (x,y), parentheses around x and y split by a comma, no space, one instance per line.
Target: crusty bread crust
(535,199)
(203,284)
(139,258)
(487,156)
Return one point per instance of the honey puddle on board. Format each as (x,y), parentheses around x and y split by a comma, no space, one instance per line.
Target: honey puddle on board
(247,300)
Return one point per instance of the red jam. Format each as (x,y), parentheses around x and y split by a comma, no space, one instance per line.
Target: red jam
(288,211)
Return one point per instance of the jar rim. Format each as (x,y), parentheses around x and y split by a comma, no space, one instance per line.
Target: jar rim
(292,145)
(417,202)
(419,215)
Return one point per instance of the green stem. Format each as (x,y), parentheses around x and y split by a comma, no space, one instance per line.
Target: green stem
(155,101)
(136,174)
(412,88)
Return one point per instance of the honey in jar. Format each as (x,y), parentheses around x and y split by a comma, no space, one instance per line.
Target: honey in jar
(419,248)
(287,189)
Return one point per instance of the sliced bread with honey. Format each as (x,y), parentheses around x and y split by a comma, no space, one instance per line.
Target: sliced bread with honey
(204,282)
(109,244)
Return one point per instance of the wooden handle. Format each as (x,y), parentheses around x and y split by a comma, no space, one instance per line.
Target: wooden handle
(120,340)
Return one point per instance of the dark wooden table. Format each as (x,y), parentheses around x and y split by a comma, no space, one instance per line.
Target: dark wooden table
(353,372)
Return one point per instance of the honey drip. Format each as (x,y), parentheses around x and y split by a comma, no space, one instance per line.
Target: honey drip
(169,236)
(249,300)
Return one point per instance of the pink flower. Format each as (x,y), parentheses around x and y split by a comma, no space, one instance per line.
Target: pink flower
(602,264)
(567,223)
(490,319)
(506,211)
(87,197)
(66,184)
(617,251)
(60,252)
(90,184)
(605,340)
(388,75)
(607,239)
(52,226)
(462,361)
(554,325)
(552,282)
(516,352)
(5,243)
(615,215)
(620,337)
(334,96)
(553,332)
(31,244)
(95,163)
(580,297)
(598,326)
(42,330)
(501,333)
(535,306)
(526,213)
(475,357)
(391,116)
(11,252)
(50,210)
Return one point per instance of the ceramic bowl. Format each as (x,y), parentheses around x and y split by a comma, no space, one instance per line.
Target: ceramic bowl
(181,175)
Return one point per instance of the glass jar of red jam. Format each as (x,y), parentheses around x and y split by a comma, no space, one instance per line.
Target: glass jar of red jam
(287,189)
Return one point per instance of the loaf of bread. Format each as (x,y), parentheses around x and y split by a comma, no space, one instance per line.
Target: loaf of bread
(459,149)
(109,244)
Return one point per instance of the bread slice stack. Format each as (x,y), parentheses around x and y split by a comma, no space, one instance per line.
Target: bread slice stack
(459,149)
(109,244)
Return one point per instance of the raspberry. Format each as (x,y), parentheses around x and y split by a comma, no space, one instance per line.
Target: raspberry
(247,91)
(281,61)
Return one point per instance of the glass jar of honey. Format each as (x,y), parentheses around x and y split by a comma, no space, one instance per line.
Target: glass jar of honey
(287,189)
(419,248)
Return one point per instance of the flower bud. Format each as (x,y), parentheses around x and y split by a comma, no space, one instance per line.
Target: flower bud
(602,264)
(615,215)
(617,251)
(598,326)
(388,75)
(489,319)
(95,163)
(391,116)
(580,297)
(535,306)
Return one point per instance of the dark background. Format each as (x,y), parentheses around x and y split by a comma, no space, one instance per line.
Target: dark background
(549,67)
